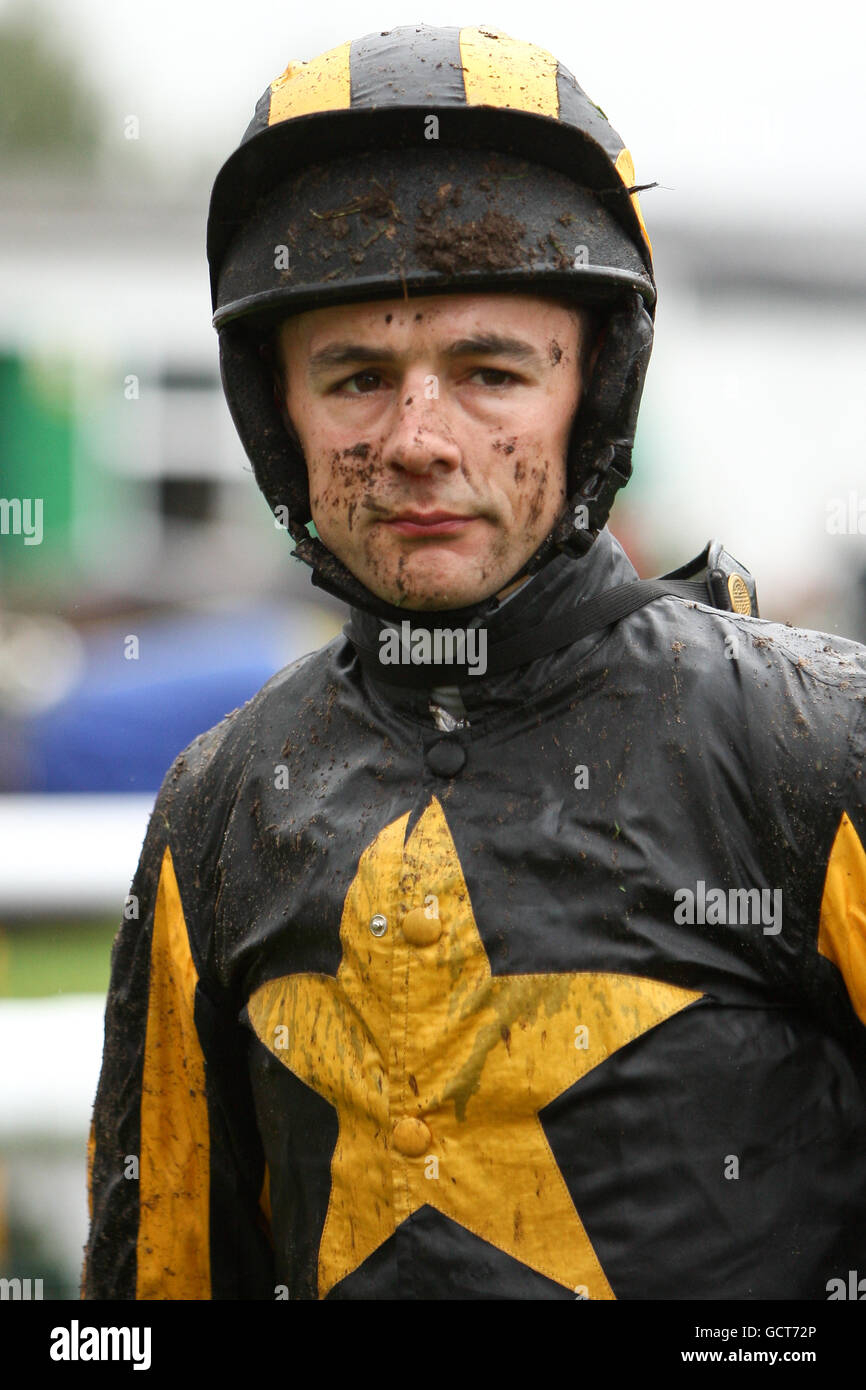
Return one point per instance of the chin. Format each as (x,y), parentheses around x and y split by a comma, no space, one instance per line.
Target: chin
(435,598)
(431,583)
(436,605)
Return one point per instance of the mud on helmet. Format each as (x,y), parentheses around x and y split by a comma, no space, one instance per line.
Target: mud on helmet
(420,161)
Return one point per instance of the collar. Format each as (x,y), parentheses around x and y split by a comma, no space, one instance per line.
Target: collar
(558,589)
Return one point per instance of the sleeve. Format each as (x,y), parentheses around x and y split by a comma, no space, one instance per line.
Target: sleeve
(178,1187)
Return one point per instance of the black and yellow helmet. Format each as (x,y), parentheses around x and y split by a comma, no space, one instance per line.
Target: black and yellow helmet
(419,161)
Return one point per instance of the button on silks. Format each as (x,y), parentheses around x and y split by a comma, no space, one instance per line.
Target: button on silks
(378,924)
(421,928)
(446,758)
(411,1137)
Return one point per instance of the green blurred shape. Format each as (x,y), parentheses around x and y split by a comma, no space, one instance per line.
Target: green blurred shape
(41,960)
(50,114)
(36,445)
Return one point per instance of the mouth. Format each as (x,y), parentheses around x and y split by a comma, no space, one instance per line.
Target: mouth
(434,523)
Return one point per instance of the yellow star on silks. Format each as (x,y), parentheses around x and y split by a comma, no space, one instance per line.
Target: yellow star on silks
(437,1069)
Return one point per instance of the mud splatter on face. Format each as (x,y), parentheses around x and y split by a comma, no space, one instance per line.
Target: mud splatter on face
(360,450)
(538,498)
(555,353)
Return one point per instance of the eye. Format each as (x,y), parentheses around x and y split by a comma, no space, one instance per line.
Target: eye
(502,378)
(360,377)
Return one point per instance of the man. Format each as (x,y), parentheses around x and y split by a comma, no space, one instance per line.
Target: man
(511,946)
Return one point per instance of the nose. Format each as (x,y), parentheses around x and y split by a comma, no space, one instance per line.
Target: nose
(421,440)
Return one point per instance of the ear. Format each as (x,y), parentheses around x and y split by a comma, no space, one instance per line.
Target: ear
(596,348)
(271,363)
(597,327)
(280,403)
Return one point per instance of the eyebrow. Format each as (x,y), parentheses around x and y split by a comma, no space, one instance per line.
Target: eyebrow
(484,344)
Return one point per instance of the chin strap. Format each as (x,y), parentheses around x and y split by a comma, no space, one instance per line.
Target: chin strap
(600,450)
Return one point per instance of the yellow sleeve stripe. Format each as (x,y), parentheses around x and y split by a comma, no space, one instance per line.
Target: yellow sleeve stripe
(265,1196)
(91,1159)
(322,84)
(842,930)
(174,1169)
(522,75)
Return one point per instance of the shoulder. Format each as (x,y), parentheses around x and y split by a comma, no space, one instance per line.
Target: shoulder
(770,660)
(693,635)
(770,687)
(215,760)
(818,658)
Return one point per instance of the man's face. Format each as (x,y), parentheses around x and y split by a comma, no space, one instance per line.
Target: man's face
(435,432)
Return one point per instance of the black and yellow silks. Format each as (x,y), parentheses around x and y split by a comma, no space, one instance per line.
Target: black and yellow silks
(382,1032)
(405,1014)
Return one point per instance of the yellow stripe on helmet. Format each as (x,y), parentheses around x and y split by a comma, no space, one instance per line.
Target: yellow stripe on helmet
(322,84)
(501,71)
(625,169)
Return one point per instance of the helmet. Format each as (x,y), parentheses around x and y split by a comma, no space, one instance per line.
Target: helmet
(429,160)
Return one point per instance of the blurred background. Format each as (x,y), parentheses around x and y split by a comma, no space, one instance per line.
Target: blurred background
(145,590)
